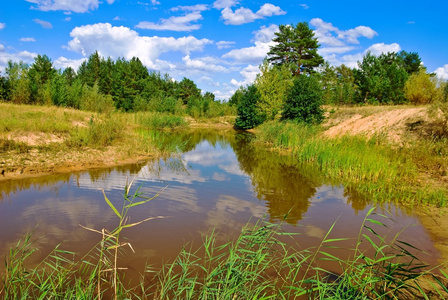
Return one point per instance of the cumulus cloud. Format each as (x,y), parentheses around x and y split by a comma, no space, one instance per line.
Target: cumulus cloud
(380,48)
(2,47)
(44,24)
(78,6)
(256,53)
(330,35)
(249,74)
(204,64)
(245,15)
(2,25)
(221,4)
(123,42)
(442,72)
(27,39)
(182,23)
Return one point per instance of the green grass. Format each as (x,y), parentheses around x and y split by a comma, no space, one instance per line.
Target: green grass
(375,169)
(159,120)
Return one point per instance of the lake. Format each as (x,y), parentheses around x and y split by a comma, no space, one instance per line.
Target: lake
(221,179)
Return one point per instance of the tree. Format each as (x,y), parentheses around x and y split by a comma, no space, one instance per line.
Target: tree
(411,61)
(381,79)
(186,89)
(248,114)
(304,101)
(296,47)
(272,84)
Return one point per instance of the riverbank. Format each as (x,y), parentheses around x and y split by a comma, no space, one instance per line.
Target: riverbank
(386,154)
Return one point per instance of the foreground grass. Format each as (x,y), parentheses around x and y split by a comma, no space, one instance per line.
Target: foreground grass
(374,168)
(257,265)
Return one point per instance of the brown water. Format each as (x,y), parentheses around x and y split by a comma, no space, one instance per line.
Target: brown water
(221,181)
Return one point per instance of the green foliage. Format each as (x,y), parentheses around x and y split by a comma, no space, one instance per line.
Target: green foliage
(420,89)
(236,97)
(18,82)
(273,84)
(295,47)
(186,89)
(93,100)
(99,133)
(381,79)
(304,100)
(338,84)
(248,113)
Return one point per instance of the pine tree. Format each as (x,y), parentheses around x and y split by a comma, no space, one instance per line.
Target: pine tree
(296,47)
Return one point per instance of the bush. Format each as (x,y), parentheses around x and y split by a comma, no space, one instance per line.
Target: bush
(93,100)
(248,114)
(304,100)
(420,89)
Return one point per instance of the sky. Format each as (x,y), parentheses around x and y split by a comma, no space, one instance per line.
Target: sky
(218,44)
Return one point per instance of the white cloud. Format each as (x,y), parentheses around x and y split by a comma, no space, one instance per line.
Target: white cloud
(2,25)
(255,54)
(442,72)
(67,19)
(63,63)
(204,64)
(380,48)
(330,35)
(249,74)
(305,6)
(117,18)
(245,15)
(339,50)
(155,2)
(221,4)
(2,47)
(123,42)
(79,6)
(25,56)
(27,39)
(44,24)
(224,44)
(182,23)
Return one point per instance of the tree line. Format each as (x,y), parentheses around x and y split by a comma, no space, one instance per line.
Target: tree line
(103,85)
(294,81)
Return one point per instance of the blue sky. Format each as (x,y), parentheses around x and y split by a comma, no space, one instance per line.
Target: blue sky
(218,44)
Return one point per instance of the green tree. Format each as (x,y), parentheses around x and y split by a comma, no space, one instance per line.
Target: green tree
(236,97)
(186,88)
(296,47)
(18,82)
(381,79)
(248,114)
(411,61)
(304,100)
(272,84)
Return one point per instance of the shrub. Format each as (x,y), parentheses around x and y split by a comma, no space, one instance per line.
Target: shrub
(304,100)
(248,114)
(420,89)
(93,100)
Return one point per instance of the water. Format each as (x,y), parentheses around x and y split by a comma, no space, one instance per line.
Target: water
(221,181)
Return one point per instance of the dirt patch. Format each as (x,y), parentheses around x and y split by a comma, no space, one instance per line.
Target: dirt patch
(393,124)
(35,138)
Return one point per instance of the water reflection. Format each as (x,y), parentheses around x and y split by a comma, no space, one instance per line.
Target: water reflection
(221,180)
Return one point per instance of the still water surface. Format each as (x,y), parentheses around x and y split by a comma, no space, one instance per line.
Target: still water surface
(222,180)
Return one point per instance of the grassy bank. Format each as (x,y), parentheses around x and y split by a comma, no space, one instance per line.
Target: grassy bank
(36,139)
(374,167)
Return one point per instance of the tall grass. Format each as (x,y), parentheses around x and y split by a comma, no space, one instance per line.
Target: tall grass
(374,169)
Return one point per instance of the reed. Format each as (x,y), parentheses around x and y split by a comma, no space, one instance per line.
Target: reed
(259,264)
(375,169)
